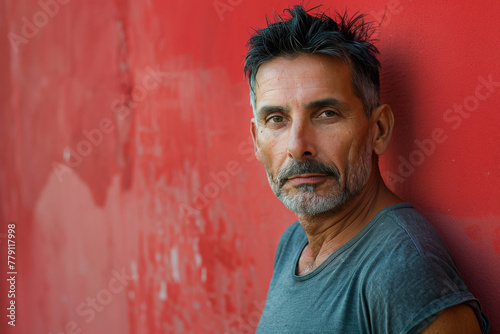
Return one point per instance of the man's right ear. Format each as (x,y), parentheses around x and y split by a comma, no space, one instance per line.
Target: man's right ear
(254,132)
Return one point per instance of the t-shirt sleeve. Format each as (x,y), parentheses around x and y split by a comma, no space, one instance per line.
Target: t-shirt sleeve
(412,294)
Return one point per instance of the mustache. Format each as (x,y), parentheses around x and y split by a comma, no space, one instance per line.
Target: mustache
(308,166)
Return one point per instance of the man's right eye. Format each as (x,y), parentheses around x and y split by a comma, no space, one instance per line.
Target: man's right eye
(275,119)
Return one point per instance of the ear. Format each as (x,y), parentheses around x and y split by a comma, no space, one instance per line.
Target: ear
(382,122)
(254,131)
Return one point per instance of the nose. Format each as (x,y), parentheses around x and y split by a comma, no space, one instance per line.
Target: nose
(301,140)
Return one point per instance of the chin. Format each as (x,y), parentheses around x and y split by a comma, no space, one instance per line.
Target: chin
(309,203)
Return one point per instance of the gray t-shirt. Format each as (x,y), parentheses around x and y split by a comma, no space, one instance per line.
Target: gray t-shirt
(394,276)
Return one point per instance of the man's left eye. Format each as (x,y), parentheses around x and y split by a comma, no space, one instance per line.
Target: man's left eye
(328,113)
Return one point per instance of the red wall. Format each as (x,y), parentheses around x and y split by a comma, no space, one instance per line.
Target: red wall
(126,163)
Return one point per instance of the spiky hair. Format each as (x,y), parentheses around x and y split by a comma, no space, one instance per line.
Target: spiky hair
(298,32)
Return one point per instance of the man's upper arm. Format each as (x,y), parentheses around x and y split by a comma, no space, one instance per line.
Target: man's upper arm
(458,319)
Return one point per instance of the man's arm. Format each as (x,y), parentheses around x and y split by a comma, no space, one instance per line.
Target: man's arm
(458,319)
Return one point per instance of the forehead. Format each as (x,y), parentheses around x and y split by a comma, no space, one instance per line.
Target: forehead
(302,79)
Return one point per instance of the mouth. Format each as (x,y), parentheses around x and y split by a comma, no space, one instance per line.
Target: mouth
(307,178)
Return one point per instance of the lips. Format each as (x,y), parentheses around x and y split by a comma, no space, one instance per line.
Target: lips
(310,171)
(307,178)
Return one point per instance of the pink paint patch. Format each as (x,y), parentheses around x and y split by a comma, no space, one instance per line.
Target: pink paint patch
(474,231)
(496,242)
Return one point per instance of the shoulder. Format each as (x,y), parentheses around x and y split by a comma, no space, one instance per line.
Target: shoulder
(409,276)
(403,229)
(294,232)
(405,249)
(291,239)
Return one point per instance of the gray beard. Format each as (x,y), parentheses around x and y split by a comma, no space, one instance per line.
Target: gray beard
(306,201)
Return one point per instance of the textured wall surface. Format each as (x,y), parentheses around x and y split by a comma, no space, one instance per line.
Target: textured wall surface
(127,168)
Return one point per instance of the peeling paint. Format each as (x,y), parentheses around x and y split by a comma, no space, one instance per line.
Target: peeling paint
(133,267)
(163,291)
(203,274)
(122,207)
(174,258)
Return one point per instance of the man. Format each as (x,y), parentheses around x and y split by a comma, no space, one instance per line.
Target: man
(358,260)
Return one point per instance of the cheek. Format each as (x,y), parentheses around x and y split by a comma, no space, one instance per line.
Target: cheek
(342,152)
(273,154)
(357,145)
(337,150)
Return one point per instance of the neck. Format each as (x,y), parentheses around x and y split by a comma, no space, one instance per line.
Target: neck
(329,231)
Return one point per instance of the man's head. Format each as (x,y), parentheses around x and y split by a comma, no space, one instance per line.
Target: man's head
(347,39)
(312,129)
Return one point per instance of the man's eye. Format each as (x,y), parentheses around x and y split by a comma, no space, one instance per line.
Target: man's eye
(275,119)
(328,113)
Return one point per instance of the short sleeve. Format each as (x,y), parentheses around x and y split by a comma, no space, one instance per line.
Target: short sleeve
(407,298)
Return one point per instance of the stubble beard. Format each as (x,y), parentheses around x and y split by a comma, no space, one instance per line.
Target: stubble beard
(306,200)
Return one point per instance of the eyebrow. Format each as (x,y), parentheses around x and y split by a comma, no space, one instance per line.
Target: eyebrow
(263,111)
(329,101)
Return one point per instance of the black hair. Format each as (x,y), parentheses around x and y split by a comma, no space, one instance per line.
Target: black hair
(347,38)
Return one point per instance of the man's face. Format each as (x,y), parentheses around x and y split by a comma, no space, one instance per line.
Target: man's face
(311,133)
